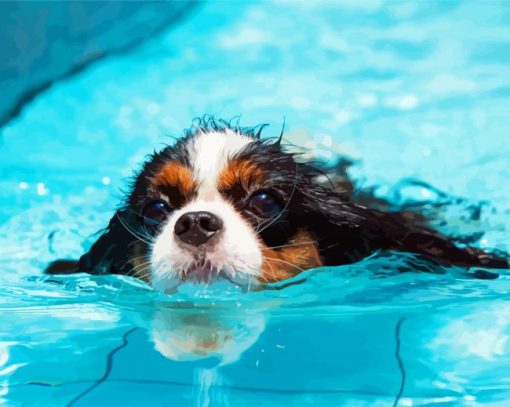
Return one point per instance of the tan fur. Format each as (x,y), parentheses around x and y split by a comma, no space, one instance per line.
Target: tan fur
(299,254)
(242,173)
(175,175)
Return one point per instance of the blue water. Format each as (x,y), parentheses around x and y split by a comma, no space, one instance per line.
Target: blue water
(410,91)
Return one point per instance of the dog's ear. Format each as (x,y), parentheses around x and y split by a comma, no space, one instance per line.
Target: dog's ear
(110,254)
(63,266)
(348,232)
(408,236)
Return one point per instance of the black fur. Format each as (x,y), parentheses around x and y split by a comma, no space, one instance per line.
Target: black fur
(345,230)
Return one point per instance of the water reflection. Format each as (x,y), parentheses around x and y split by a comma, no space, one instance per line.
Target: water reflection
(184,334)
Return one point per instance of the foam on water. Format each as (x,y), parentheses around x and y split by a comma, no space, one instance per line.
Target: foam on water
(417,93)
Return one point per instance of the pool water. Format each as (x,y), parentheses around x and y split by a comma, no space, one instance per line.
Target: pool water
(417,94)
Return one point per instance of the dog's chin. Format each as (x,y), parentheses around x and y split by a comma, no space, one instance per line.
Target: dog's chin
(202,273)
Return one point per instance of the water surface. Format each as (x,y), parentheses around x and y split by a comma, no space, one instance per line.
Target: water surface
(417,94)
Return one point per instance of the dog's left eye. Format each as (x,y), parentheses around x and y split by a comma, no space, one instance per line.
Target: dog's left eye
(265,204)
(155,212)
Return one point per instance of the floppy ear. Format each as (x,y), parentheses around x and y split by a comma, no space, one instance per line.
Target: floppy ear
(348,232)
(110,254)
(409,237)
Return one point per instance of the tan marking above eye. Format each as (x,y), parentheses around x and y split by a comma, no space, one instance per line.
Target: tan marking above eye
(240,176)
(174,180)
(285,261)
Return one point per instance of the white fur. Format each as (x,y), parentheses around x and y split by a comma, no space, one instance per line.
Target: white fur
(209,154)
(236,249)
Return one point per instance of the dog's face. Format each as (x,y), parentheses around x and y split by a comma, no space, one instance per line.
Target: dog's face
(224,204)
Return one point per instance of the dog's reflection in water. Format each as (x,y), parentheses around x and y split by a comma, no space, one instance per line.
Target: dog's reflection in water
(185,334)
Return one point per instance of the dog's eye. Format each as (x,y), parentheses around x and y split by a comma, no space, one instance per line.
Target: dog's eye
(155,212)
(265,204)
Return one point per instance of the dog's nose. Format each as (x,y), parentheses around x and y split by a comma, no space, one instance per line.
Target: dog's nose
(196,228)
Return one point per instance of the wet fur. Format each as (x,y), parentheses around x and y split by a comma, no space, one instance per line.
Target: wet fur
(343,227)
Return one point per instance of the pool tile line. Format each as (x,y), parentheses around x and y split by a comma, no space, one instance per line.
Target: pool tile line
(109,365)
(400,362)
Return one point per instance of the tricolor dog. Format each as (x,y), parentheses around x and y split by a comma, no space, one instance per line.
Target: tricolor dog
(224,203)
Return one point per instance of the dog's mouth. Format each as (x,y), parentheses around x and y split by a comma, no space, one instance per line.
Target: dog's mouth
(203,271)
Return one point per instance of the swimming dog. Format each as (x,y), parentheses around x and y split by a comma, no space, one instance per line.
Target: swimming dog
(224,203)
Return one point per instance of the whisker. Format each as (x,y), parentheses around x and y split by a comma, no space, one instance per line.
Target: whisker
(149,235)
(146,234)
(263,225)
(130,230)
(138,257)
(130,260)
(292,245)
(144,276)
(138,214)
(272,271)
(286,262)
(139,268)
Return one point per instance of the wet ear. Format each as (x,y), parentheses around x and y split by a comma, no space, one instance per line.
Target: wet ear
(62,266)
(110,252)
(433,244)
(349,232)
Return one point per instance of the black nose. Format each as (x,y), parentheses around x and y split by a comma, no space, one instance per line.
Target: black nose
(196,228)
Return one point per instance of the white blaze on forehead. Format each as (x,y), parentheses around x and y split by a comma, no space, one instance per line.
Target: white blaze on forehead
(209,154)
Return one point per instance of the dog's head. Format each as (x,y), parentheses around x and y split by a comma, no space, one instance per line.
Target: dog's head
(223,203)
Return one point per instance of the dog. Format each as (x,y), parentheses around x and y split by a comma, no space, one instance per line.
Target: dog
(223,202)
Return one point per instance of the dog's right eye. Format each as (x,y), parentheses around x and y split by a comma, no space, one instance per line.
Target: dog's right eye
(155,212)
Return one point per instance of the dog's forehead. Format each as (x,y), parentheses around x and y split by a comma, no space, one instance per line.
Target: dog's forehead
(210,152)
